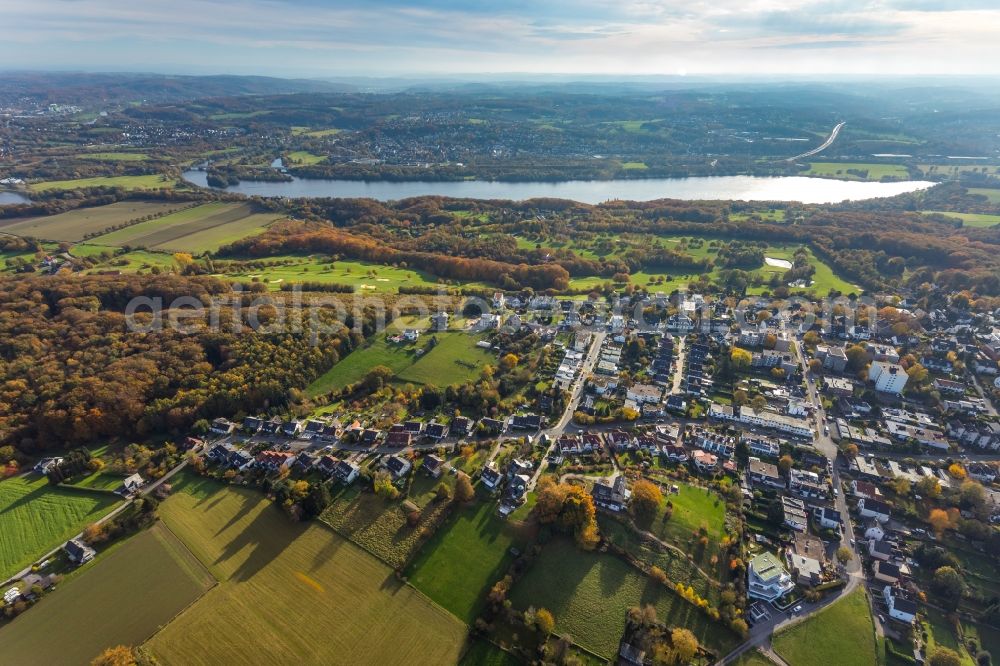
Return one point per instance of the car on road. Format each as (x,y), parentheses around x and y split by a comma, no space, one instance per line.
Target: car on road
(797,609)
(852,543)
(881,618)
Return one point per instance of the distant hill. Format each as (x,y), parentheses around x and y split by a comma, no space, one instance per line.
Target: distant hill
(111,90)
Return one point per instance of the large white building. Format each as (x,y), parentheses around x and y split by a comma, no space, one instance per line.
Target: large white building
(767,578)
(888,377)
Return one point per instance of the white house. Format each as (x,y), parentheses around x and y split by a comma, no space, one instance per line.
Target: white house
(874,531)
(645,393)
(767,578)
(901,606)
(869,508)
(888,377)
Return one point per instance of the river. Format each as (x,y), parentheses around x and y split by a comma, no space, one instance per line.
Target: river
(747,188)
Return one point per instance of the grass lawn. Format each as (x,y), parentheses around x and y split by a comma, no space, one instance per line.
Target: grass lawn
(303,157)
(483,653)
(589,595)
(841,634)
(99,481)
(36,517)
(75,224)
(200,229)
(991,194)
(115,157)
(677,567)
(693,507)
(941,633)
(153,181)
(364,276)
(840,170)
(379,526)
(123,598)
(291,592)
(753,658)
(455,359)
(464,558)
(634,166)
(968,219)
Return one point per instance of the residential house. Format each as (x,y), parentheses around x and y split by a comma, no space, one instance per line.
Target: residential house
(398,466)
(887,377)
(613,497)
(880,550)
(794,514)
(252,424)
(436,431)
(704,462)
(869,508)
(767,578)
(78,552)
(131,485)
(221,426)
(345,472)
(874,530)
(398,439)
(46,465)
(491,477)
(885,572)
(764,474)
(433,465)
(526,422)
(461,426)
(900,604)
(806,484)
(272,461)
(827,518)
(645,393)
(806,570)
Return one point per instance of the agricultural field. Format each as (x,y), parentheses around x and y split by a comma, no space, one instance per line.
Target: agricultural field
(365,277)
(589,595)
(203,228)
(634,166)
(455,359)
(99,481)
(100,606)
(968,219)
(152,181)
(841,634)
(464,558)
(115,157)
(285,584)
(841,171)
(36,517)
(954,170)
(75,224)
(379,526)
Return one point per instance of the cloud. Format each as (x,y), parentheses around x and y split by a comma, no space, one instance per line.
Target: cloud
(358,37)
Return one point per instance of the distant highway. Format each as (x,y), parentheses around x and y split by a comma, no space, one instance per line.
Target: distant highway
(826,144)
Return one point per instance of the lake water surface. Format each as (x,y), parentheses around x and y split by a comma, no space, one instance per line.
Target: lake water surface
(747,188)
(7,198)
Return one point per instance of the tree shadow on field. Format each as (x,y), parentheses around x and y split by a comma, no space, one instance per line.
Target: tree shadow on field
(612,574)
(35,494)
(334,543)
(266,544)
(248,503)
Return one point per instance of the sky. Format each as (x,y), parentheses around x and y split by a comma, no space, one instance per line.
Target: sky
(331,38)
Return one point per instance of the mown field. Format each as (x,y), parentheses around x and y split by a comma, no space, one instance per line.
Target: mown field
(153,181)
(840,170)
(589,595)
(123,598)
(304,157)
(968,219)
(841,634)
(992,194)
(75,224)
(36,517)
(291,593)
(454,360)
(464,558)
(195,230)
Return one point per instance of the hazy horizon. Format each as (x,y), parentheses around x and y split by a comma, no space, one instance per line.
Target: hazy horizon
(320,39)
